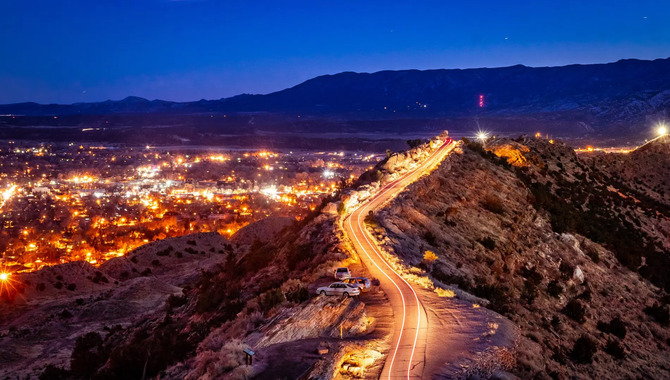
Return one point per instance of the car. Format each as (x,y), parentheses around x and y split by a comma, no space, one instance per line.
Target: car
(339,289)
(342,273)
(362,282)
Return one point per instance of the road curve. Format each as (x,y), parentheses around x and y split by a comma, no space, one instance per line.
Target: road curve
(406,359)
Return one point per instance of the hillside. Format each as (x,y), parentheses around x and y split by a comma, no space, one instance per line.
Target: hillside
(187,307)
(646,169)
(570,256)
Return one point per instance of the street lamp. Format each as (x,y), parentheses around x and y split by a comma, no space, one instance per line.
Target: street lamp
(482,136)
(662,130)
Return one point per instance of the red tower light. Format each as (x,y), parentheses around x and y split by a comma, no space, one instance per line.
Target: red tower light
(481,101)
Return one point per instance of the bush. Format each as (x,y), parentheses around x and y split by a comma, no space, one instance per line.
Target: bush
(583,350)
(300,256)
(295,291)
(575,310)
(270,299)
(414,143)
(65,314)
(156,263)
(430,238)
(556,323)
(41,287)
(618,327)
(554,289)
(86,356)
(566,269)
(496,294)
(615,349)
(493,204)
(71,287)
(51,372)
(371,220)
(488,243)
(659,313)
(176,301)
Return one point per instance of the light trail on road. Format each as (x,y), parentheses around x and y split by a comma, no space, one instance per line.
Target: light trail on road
(362,239)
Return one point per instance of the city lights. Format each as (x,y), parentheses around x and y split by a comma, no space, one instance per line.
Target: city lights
(92,203)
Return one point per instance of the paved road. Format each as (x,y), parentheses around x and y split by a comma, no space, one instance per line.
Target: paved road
(408,351)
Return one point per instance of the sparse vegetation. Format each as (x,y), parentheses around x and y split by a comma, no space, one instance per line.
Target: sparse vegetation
(583,350)
(493,204)
(659,312)
(575,310)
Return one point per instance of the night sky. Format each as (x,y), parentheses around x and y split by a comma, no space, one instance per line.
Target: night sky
(93,50)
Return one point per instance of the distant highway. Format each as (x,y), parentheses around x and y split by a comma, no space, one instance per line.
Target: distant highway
(406,359)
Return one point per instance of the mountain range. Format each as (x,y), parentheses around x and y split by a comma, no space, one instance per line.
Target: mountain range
(623,97)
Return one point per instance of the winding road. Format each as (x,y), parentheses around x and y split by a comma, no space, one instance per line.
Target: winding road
(407,356)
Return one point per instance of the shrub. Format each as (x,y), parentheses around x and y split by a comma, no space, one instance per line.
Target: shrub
(295,291)
(575,310)
(58,285)
(493,204)
(71,287)
(556,322)
(156,263)
(566,269)
(414,143)
(659,313)
(496,294)
(86,356)
(618,327)
(430,237)
(603,326)
(615,349)
(299,255)
(65,314)
(41,287)
(176,301)
(529,292)
(583,350)
(371,220)
(488,243)
(429,257)
(270,299)
(51,372)
(554,289)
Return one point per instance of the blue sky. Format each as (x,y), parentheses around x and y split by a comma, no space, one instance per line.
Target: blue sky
(70,50)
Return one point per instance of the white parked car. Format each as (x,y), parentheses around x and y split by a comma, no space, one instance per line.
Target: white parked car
(339,289)
(342,273)
(362,282)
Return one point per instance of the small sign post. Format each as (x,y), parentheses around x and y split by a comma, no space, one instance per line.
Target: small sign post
(248,359)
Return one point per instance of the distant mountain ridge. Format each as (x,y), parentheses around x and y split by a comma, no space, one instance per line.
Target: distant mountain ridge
(612,98)
(444,91)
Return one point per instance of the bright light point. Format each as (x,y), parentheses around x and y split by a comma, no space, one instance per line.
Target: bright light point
(328,173)
(4,276)
(482,136)
(662,130)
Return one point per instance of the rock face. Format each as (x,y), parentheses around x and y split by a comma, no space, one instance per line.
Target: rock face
(521,234)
